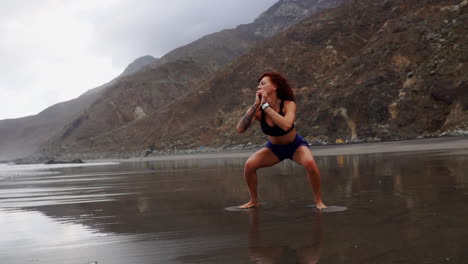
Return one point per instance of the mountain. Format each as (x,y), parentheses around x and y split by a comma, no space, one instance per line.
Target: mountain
(220,48)
(138,64)
(156,82)
(138,95)
(22,136)
(363,71)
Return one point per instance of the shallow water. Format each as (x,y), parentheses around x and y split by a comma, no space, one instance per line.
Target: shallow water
(409,207)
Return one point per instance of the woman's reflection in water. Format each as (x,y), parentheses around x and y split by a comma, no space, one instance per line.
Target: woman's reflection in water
(262,251)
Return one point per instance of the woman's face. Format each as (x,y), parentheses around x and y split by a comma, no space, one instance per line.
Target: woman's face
(266,85)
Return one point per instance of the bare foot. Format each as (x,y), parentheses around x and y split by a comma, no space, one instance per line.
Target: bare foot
(321,206)
(248,205)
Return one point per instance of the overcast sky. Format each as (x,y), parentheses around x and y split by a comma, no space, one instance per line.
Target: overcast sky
(54,50)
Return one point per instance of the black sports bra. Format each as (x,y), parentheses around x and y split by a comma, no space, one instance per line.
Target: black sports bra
(275,130)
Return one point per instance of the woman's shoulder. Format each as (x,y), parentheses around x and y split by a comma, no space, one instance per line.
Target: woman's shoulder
(289,102)
(289,106)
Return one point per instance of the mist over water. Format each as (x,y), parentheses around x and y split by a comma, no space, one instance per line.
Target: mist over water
(407,207)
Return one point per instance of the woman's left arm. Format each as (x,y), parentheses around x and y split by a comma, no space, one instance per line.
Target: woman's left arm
(284,122)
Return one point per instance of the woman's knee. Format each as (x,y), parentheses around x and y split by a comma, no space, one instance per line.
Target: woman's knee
(251,166)
(311,166)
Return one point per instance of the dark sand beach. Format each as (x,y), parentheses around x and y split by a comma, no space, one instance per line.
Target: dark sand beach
(407,202)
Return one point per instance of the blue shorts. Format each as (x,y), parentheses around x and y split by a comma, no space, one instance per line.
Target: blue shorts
(287,151)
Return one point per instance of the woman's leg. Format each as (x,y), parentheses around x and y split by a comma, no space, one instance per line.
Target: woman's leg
(303,156)
(260,159)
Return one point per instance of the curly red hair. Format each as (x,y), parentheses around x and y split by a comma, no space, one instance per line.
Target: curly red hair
(284,90)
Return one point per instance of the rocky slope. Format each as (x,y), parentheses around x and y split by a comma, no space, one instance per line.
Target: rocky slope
(139,94)
(157,82)
(363,71)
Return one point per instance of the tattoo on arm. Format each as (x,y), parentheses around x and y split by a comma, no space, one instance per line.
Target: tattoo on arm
(245,122)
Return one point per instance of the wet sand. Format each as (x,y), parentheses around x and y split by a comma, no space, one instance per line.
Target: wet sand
(406,204)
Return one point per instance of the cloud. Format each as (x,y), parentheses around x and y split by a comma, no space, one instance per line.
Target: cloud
(55,50)
(155,27)
(45,56)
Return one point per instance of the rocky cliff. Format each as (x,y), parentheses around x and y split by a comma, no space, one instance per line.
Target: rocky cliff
(147,84)
(363,71)
(138,95)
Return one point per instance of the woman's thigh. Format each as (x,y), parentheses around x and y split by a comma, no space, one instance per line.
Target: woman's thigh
(303,156)
(262,158)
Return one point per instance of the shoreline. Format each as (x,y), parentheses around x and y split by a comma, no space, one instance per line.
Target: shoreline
(457,144)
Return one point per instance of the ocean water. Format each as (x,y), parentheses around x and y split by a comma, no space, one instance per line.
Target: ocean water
(401,207)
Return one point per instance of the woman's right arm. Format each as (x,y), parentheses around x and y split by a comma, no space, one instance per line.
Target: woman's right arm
(248,118)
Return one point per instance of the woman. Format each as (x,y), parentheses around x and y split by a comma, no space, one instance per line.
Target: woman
(275,109)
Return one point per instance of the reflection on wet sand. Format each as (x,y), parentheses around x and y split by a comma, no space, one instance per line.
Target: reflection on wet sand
(272,245)
(402,207)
